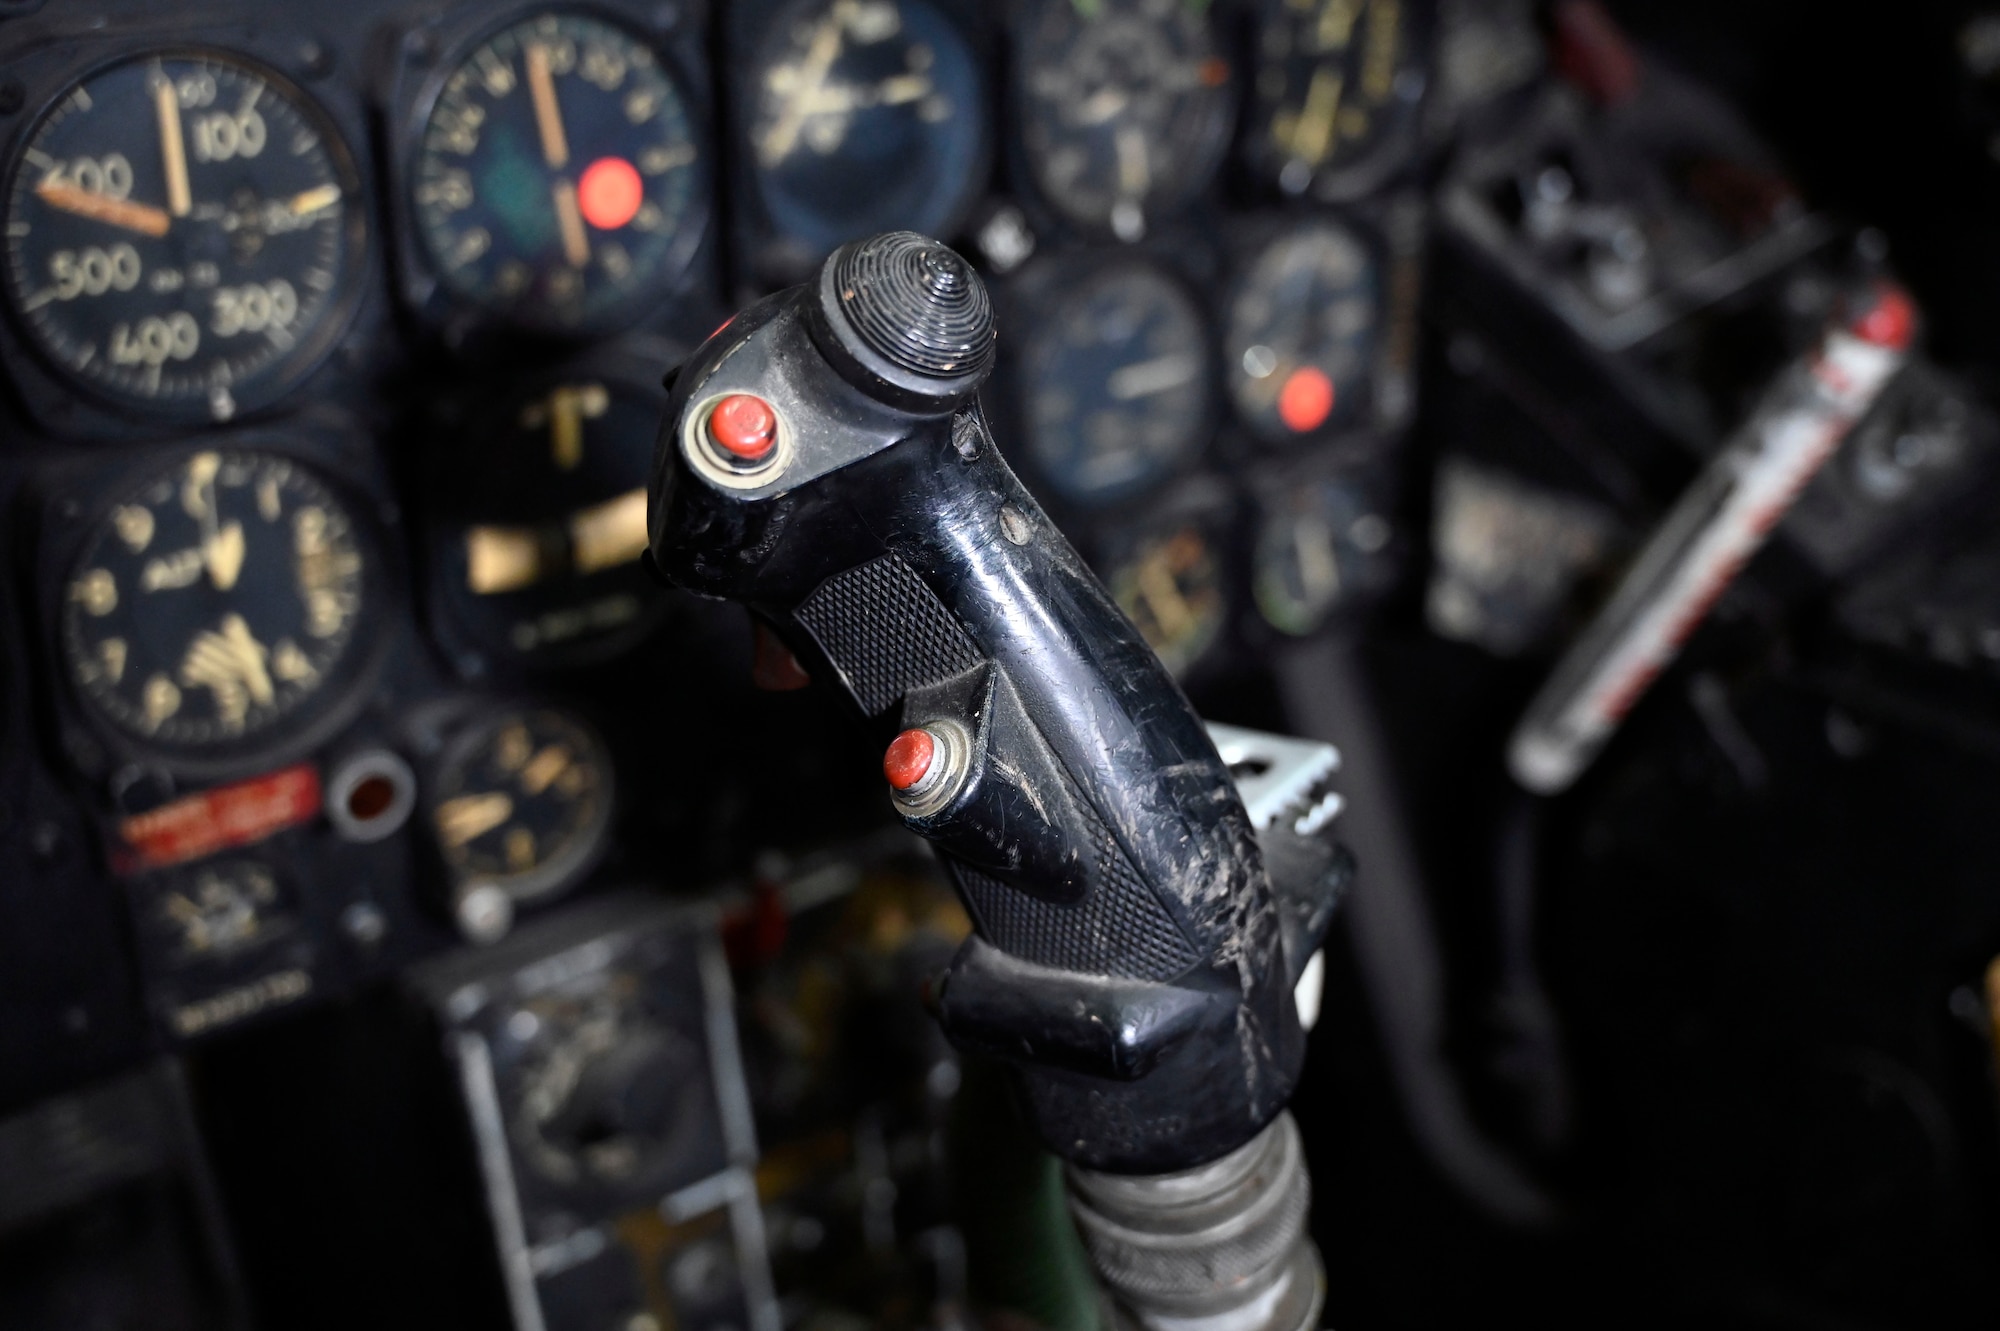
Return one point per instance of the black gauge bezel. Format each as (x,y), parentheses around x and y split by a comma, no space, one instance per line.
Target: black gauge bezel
(1251,240)
(1370,466)
(72,405)
(758,260)
(68,522)
(1392,231)
(1218,137)
(554,879)
(1394,156)
(427,56)
(633,364)
(1035,294)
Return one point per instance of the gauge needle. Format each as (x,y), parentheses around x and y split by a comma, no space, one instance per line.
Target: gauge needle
(468,817)
(1312,138)
(1163,597)
(548,116)
(307,202)
(1319,572)
(1147,377)
(222,551)
(1102,106)
(575,242)
(142,218)
(806,83)
(1135,174)
(221,547)
(230,664)
(173,151)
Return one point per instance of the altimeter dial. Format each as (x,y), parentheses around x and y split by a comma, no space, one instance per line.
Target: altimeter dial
(215,603)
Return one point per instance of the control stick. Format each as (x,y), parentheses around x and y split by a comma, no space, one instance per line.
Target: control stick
(824,460)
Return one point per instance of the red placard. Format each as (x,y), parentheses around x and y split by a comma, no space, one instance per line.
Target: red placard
(201,824)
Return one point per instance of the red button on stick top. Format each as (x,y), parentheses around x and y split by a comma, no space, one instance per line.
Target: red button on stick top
(744,425)
(909,758)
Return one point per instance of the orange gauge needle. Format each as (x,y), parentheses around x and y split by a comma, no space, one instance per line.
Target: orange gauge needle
(142,218)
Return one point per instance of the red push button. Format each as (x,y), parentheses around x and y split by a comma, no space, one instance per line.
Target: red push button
(909,758)
(745,426)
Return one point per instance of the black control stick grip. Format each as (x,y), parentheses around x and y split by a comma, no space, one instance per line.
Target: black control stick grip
(824,460)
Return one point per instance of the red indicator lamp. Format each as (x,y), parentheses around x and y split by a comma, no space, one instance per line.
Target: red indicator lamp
(1306,400)
(609,193)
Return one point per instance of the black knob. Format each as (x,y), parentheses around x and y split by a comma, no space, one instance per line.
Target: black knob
(905,319)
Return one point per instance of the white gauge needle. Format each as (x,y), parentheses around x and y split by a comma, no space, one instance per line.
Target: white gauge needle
(173,150)
(548,115)
(1147,377)
(307,202)
(575,240)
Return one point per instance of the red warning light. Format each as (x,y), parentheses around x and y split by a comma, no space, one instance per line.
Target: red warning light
(1306,400)
(609,193)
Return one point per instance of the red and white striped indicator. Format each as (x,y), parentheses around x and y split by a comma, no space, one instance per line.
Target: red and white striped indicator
(1704,542)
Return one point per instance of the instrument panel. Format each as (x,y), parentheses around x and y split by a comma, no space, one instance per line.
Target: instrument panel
(332,345)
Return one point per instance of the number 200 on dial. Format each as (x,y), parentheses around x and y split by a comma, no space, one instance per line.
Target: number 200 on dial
(183,234)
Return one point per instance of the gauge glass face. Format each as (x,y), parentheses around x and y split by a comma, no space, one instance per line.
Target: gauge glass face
(216,603)
(1171,590)
(184,235)
(1126,107)
(559,183)
(540,547)
(523,803)
(1334,92)
(1320,547)
(865,116)
(1300,350)
(1117,386)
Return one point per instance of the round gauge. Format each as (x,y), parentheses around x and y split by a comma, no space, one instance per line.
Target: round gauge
(222,909)
(1335,94)
(864,116)
(523,802)
(215,604)
(185,235)
(1126,107)
(1320,548)
(1116,385)
(538,548)
(602,1084)
(1170,587)
(1300,348)
(559,182)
